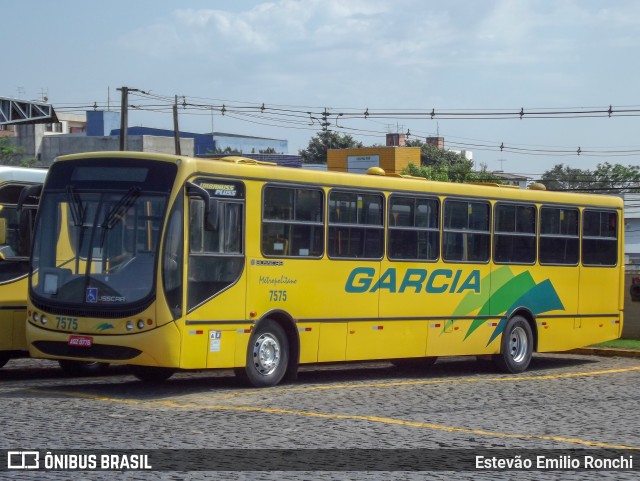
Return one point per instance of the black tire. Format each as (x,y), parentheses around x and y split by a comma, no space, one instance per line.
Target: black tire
(415,364)
(516,347)
(3,360)
(152,374)
(267,355)
(83,368)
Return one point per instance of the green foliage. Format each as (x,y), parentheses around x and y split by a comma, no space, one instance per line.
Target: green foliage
(446,166)
(316,151)
(606,178)
(268,150)
(11,154)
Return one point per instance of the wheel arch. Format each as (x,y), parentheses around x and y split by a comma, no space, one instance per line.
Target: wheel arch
(288,324)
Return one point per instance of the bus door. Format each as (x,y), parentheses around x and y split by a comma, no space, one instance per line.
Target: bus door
(215,282)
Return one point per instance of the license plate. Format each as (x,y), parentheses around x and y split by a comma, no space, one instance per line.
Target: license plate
(80,341)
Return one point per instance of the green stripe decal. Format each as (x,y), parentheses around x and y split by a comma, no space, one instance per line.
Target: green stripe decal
(509,292)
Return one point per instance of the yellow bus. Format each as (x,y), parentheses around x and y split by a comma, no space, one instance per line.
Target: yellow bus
(20,189)
(170,263)
(19,194)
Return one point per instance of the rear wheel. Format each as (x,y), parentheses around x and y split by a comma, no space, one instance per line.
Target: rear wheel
(83,368)
(3,359)
(151,374)
(516,347)
(267,355)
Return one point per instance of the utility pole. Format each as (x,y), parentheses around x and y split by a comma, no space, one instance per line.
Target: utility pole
(176,131)
(124,119)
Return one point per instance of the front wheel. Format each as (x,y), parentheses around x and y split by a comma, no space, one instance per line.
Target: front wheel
(267,355)
(151,374)
(516,346)
(82,368)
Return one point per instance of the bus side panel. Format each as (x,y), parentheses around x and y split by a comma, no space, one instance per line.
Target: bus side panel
(19,330)
(6,329)
(13,316)
(309,291)
(455,330)
(598,305)
(556,307)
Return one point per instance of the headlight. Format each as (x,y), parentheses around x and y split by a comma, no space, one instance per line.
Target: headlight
(140,324)
(129,325)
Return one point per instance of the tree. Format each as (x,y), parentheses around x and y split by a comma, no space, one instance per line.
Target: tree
(11,154)
(268,150)
(316,151)
(446,166)
(606,178)
(563,177)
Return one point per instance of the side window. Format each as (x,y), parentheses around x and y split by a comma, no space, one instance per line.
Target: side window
(414,224)
(514,234)
(16,231)
(559,236)
(466,236)
(216,240)
(293,222)
(599,238)
(356,227)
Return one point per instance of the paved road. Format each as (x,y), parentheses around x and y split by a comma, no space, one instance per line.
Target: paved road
(562,402)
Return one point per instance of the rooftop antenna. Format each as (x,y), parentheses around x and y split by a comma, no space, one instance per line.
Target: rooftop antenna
(501,162)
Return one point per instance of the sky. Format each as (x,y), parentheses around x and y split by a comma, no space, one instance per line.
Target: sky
(400,58)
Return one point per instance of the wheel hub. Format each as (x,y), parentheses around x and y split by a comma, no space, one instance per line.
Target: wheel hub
(266,354)
(518,344)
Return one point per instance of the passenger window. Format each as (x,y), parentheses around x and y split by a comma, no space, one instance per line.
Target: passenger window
(514,234)
(413,228)
(466,235)
(293,222)
(559,236)
(356,228)
(599,238)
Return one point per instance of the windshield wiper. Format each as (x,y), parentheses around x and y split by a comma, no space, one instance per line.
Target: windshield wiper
(118,211)
(75,206)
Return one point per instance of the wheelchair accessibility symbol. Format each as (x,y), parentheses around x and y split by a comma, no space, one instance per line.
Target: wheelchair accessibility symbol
(92,294)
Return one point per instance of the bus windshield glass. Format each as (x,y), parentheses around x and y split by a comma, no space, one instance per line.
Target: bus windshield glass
(97,238)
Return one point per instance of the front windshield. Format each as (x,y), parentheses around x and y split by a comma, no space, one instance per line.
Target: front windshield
(96,247)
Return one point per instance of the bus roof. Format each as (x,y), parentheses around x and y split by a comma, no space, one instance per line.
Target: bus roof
(24,174)
(237,166)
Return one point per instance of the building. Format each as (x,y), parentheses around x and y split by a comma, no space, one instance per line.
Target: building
(100,130)
(520,181)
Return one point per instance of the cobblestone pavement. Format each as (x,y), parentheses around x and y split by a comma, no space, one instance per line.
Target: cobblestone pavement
(563,401)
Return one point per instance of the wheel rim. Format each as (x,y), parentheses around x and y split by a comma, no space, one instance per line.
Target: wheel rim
(266,354)
(518,344)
